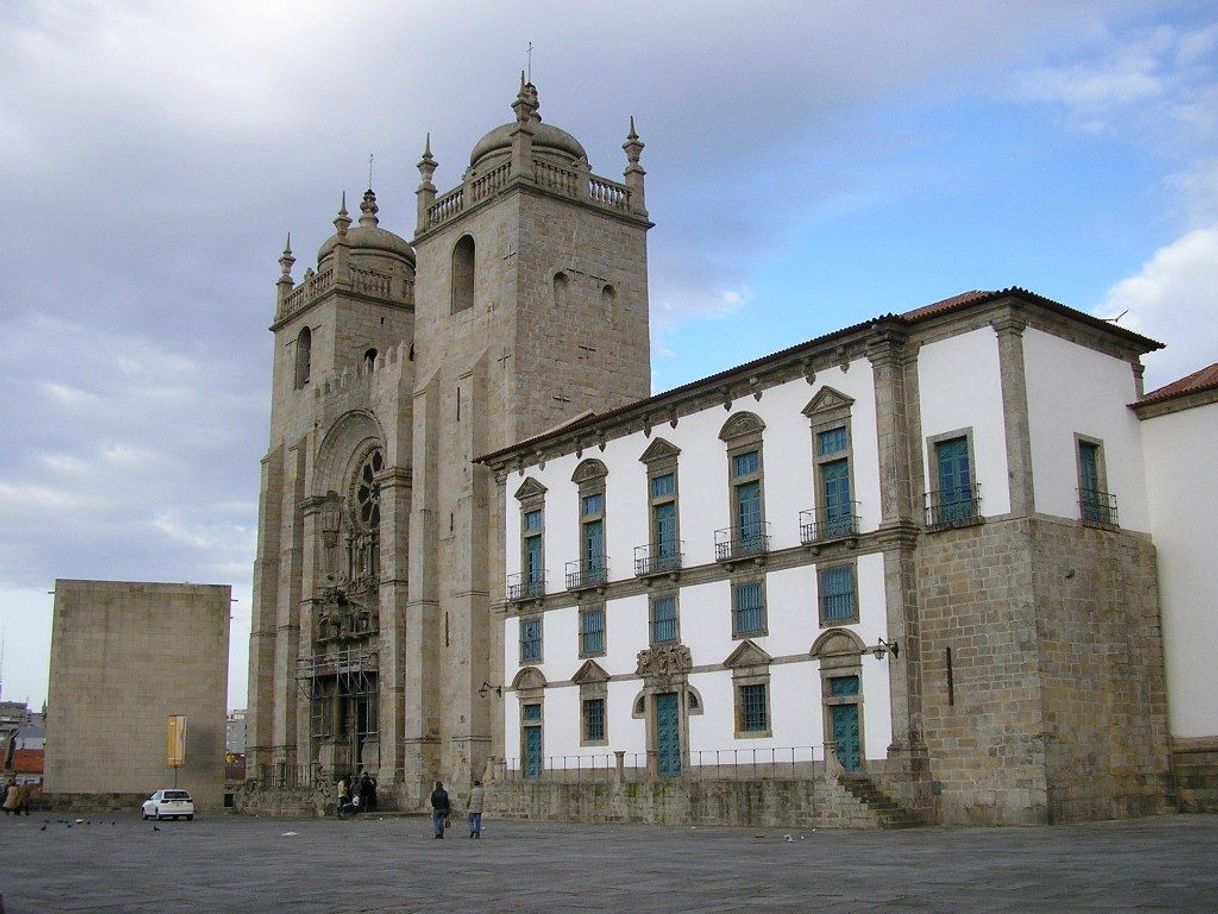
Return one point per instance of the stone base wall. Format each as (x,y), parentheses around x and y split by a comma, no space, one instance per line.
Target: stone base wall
(301,802)
(88,802)
(1052,707)
(1103,685)
(1195,776)
(805,803)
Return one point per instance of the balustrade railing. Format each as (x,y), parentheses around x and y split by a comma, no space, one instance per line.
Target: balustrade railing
(526,587)
(585,573)
(446,207)
(1097,507)
(370,282)
(746,541)
(774,763)
(547,174)
(953,507)
(485,185)
(608,193)
(818,525)
(658,558)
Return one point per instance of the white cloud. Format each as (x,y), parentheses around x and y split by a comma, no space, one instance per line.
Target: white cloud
(1173,298)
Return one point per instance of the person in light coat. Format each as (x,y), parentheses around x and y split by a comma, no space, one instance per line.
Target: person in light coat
(477,798)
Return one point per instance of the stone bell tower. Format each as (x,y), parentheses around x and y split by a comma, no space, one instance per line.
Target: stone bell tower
(531,308)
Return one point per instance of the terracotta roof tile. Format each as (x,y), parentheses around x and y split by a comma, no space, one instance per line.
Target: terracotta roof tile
(1205,379)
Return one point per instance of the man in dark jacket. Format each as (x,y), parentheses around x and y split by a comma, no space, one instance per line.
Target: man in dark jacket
(439,809)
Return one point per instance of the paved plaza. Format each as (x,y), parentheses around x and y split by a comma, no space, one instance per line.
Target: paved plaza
(394,866)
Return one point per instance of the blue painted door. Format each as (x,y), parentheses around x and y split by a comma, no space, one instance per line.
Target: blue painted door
(955,480)
(846,735)
(668,734)
(666,532)
(748,517)
(532,752)
(836,479)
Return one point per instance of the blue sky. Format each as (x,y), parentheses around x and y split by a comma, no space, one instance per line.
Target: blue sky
(809,164)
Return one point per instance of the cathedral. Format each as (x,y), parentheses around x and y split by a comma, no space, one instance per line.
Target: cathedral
(519,303)
(947,565)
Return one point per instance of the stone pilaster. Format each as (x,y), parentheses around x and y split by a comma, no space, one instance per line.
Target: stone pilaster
(396,485)
(422,631)
(310,511)
(1010,329)
(892,431)
(261,696)
(287,625)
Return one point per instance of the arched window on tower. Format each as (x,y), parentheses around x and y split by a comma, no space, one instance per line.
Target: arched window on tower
(463,274)
(304,356)
(608,297)
(369,359)
(562,288)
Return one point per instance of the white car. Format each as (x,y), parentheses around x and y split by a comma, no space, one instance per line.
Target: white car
(169,804)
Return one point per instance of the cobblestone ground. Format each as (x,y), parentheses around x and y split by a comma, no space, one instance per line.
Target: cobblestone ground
(394,866)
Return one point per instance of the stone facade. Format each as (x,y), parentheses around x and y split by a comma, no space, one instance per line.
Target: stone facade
(521,304)
(125,656)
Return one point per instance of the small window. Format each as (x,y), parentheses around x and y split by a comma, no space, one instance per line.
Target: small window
(748,608)
(594,720)
(530,640)
(837,603)
(369,359)
(664,620)
(754,715)
(532,520)
(531,712)
(562,285)
(592,632)
(594,504)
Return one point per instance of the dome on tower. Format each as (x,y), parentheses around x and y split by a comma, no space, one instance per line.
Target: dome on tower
(368,237)
(546,138)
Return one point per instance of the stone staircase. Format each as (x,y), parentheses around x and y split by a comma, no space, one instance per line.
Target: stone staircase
(888,812)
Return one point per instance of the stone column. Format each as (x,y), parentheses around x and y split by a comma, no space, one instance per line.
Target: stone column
(1010,329)
(396,486)
(884,350)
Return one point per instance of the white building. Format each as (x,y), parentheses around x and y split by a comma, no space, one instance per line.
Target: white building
(911,559)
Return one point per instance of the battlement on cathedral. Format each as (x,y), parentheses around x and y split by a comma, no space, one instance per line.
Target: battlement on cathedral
(386,368)
(360,281)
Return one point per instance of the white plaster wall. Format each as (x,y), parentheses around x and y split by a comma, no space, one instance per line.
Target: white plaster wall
(1073,389)
(959,387)
(1183,506)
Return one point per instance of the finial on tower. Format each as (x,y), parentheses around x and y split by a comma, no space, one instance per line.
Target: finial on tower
(368,209)
(342,221)
(286,260)
(426,191)
(526,103)
(634,173)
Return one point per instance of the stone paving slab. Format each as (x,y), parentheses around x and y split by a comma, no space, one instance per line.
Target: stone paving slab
(394,866)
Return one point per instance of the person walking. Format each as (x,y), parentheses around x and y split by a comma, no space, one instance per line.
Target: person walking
(366,792)
(477,798)
(440,808)
(10,799)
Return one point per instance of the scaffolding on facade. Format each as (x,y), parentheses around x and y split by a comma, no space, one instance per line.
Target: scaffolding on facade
(353,671)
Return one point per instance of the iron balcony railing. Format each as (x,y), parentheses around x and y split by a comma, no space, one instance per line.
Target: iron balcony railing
(1097,507)
(953,507)
(746,764)
(658,558)
(526,587)
(818,525)
(743,542)
(590,572)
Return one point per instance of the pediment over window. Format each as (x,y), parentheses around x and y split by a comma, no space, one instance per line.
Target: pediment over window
(530,488)
(741,424)
(589,470)
(529,678)
(837,642)
(828,400)
(591,671)
(660,450)
(747,654)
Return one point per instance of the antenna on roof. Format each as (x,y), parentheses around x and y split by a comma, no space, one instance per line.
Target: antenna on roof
(370,158)
(528,65)
(1113,320)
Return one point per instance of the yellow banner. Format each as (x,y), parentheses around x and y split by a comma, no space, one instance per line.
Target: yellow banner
(175,745)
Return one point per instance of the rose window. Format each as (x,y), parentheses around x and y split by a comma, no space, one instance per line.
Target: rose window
(368,492)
